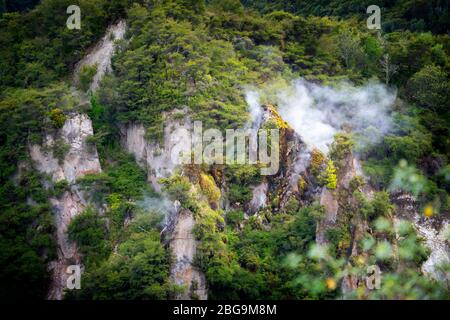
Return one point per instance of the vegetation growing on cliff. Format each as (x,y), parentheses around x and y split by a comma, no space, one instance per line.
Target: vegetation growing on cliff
(201,55)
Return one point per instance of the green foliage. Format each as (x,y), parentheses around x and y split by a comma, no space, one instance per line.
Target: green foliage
(57,117)
(121,175)
(86,75)
(341,147)
(252,263)
(430,88)
(138,267)
(60,149)
(408,178)
(120,185)
(60,187)
(240,178)
(178,188)
(90,234)
(210,189)
(23,116)
(415,15)
(138,270)
(233,218)
(411,147)
(26,240)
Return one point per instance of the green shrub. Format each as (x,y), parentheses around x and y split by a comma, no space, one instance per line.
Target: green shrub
(233,218)
(86,75)
(57,117)
(60,187)
(90,233)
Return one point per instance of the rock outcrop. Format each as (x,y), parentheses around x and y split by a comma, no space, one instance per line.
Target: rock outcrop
(80,159)
(334,203)
(330,201)
(434,231)
(154,157)
(102,53)
(183,247)
(259,198)
(159,161)
(293,163)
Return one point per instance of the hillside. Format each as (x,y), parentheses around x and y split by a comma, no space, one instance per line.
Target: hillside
(118,156)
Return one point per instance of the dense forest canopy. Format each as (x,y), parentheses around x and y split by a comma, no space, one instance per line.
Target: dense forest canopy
(415,15)
(201,56)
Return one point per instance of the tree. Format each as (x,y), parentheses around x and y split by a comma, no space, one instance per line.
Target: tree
(348,47)
(429,88)
(389,69)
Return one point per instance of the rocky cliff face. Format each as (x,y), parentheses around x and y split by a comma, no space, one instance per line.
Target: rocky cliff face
(156,158)
(101,54)
(330,201)
(295,180)
(294,161)
(434,231)
(80,159)
(158,161)
(183,248)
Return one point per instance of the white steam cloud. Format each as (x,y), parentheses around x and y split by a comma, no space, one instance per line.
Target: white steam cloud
(318,112)
(252,98)
(159,205)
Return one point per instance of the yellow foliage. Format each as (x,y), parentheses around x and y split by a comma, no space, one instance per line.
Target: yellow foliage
(317,159)
(301,184)
(58,117)
(277,119)
(331,178)
(209,188)
(428,211)
(331,284)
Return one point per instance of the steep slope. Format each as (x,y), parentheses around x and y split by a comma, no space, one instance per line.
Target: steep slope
(157,160)
(101,54)
(81,159)
(434,231)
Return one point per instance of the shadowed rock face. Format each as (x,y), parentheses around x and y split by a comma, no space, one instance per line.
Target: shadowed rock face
(329,201)
(334,212)
(65,209)
(294,161)
(79,160)
(183,247)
